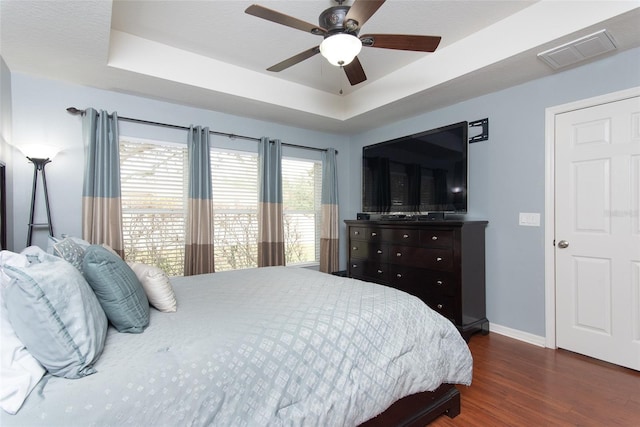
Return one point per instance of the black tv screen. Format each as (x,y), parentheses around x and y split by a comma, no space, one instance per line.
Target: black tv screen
(417,174)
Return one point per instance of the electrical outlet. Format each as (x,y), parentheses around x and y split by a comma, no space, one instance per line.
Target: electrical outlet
(529,219)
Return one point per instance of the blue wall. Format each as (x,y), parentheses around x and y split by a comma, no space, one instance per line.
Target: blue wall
(506,172)
(507,176)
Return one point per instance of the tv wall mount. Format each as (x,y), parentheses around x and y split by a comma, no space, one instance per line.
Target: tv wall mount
(483,124)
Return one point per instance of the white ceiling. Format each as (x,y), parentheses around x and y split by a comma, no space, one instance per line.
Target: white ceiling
(210,54)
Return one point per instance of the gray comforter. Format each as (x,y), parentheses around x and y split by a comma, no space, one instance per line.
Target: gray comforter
(269,346)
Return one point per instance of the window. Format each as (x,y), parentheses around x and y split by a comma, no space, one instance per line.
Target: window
(301,194)
(153,183)
(235,209)
(154,192)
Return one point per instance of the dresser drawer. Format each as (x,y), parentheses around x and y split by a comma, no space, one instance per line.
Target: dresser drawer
(441,283)
(366,270)
(372,251)
(420,281)
(366,234)
(403,236)
(359,249)
(437,238)
(442,304)
(428,258)
(415,279)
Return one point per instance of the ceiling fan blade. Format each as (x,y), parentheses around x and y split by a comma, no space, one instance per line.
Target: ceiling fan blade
(401,42)
(295,59)
(355,72)
(281,18)
(362,10)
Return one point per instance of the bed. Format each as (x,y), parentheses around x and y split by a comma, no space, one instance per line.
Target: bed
(279,346)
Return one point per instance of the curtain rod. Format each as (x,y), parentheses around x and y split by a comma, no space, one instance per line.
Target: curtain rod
(74,110)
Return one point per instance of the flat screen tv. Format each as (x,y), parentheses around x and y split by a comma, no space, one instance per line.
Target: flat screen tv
(417,174)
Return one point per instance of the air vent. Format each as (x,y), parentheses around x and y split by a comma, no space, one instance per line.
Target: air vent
(578,50)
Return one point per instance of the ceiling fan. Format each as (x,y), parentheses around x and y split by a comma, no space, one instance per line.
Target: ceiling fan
(340,25)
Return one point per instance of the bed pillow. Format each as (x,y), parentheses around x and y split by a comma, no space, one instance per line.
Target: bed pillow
(55,314)
(53,240)
(117,288)
(19,370)
(69,250)
(156,285)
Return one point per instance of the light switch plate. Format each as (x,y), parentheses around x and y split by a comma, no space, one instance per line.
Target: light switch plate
(529,219)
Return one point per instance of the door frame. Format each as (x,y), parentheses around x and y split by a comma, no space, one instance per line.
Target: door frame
(549,190)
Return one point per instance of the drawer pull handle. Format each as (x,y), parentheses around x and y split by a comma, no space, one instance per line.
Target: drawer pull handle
(355,248)
(379,271)
(434,237)
(374,234)
(405,236)
(354,266)
(439,306)
(379,251)
(439,259)
(439,282)
(399,254)
(399,276)
(356,232)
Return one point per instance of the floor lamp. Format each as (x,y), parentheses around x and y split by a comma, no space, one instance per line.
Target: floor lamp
(39,155)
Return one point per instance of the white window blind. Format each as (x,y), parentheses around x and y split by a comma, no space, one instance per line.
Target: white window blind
(234,176)
(153,183)
(301,194)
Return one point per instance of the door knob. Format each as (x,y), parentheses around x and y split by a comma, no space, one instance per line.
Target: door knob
(562,244)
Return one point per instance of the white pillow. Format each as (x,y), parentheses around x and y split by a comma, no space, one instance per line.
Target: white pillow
(19,370)
(156,285)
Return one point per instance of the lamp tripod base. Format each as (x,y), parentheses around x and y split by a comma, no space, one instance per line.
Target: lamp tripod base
(38,166)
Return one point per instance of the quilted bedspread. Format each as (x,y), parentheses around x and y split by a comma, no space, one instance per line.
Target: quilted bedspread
(276,346)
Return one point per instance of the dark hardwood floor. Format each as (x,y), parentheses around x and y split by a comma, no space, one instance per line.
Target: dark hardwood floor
(519,384)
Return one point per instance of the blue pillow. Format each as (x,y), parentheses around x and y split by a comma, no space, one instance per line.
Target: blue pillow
(55,314)
(118,289)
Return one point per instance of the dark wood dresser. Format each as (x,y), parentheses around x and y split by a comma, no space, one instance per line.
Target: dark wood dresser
(441,262)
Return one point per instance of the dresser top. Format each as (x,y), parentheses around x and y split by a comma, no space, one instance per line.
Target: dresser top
(413,223)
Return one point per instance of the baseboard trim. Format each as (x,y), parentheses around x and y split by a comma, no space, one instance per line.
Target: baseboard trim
(518,335)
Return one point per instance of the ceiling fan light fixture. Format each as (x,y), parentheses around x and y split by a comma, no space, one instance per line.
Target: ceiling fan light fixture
(340,49)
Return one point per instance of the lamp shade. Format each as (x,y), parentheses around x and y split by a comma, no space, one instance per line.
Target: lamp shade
(340,49)
(39,151)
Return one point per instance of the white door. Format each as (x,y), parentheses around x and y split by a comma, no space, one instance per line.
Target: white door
(597,238)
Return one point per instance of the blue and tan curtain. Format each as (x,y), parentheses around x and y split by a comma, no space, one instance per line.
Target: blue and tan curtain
(101,195)
(270,224)
(329,247)
(198,251)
